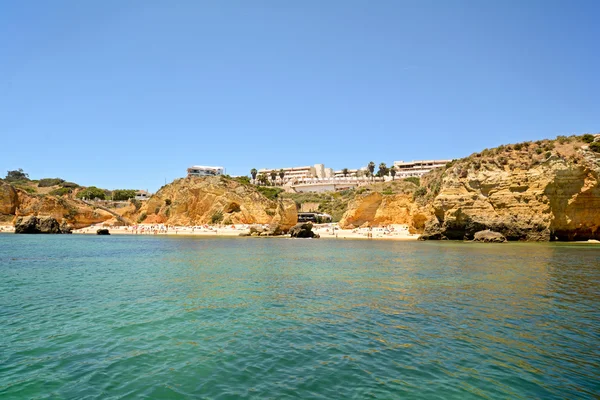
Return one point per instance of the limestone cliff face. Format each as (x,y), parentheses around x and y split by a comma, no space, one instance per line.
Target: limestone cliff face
(555,196)
(16,202)
(194,201)
(9,200)
(548,190)
(376,209)
(73,212)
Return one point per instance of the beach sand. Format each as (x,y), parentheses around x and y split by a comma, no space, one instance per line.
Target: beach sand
(325,231)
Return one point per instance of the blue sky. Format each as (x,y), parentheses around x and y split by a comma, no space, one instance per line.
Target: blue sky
(126,94)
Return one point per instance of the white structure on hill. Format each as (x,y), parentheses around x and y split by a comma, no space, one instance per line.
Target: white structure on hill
(417,168)
(142,195)
(316,178)
(200,170)
(294,174)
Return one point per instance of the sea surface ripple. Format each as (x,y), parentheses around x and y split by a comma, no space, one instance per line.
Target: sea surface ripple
(85,317)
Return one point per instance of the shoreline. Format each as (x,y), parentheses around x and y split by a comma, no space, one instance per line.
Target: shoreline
(325,232)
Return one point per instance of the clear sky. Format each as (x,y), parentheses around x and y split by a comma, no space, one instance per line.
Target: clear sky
(126,94)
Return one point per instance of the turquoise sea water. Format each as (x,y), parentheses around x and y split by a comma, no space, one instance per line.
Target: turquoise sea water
(85,317)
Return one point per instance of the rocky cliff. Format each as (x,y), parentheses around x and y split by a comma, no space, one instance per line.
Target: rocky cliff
(548,190)
(195,201)
(537,191)
(15,202)
(377,209)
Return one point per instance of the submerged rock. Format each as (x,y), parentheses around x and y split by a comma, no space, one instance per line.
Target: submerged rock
(34,224)
(488,236)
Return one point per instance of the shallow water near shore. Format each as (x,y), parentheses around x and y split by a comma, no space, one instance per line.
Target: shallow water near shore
(226,318)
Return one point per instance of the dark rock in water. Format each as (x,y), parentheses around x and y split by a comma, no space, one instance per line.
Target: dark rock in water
(66,228)
(102,232)
(34,224)
(488,236)
(433,231)
(302,230)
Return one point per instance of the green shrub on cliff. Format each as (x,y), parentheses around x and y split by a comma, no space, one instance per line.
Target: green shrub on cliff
(269,192)
(60,191)
(46,182)
(587,138)
(595,146)
(136,203)
(123,194)
(420,192)
(216,217)
(413,179)
(91,192)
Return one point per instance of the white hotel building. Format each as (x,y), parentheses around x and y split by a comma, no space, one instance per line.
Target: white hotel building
(201,170)
(296,174)
(416,168)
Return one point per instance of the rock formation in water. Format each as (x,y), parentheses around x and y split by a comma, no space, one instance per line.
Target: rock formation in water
(488,236)
(206,200)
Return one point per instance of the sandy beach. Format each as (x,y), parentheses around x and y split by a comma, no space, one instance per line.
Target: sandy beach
(325,231)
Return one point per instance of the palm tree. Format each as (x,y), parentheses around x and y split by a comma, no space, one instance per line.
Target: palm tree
(253,172)
(393,172)
(383,170)
(262,178)
(281,175)
(371,168)
(273,176)
(345,172)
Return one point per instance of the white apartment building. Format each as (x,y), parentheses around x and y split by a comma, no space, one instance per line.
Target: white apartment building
(201,170)
(296,174)
(417,168)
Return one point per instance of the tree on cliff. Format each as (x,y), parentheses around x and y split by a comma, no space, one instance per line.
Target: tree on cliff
(123,194)
(91,193)
(345,172)
(371,168)
(383,170)
(281,174)
(262,178)
(17,175)
(393,172)
(273,176)
(253,172)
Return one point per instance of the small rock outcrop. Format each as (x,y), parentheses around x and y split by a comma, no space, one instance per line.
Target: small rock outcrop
(303,230)
(102,232)
(488,236)
(33,224)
